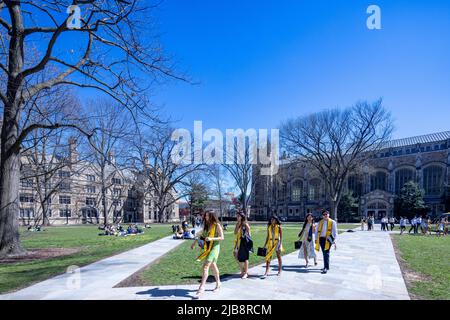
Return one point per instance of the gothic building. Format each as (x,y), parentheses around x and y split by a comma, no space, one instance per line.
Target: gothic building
(297,190)
(73,193)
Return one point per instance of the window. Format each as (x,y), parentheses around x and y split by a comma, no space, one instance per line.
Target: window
(65,213)
(26,198)
(296,192)
(90,189)
(90,177)
(314,190)
(403,176)
(116,203)
(90,202)
(64,186)
(433,180)
(64,174)
(27,183)
(378,181)
(90,213)
(117,192)
(355,185)
(26,213)
(116,181)
(64,200)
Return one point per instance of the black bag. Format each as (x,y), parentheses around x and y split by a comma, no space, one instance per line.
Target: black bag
(262,252)
(298,244)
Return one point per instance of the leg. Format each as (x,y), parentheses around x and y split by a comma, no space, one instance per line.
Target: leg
(205,274)
(245,272)
(280,262)
(305,254)
(216,275)
(267,268)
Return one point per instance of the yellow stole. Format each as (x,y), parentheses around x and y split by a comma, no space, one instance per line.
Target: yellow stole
(319,232)
(207,246)
(272,242)
(237,240)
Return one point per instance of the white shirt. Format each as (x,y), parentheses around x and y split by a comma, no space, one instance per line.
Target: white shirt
(325,227)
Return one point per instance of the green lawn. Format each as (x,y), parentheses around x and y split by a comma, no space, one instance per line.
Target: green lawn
(428,256)
(179,265)
(92,247)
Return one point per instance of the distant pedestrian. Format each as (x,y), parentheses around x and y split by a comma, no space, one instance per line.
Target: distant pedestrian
(307,238)
(363,223)
(392,223)
(242,243)
(413,225)
(418,225)
(403,222)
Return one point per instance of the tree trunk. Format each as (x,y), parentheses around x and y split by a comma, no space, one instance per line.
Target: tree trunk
(334,210)
(10,157)
(9,193)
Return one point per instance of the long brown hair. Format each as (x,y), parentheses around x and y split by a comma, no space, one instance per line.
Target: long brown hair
(213,219)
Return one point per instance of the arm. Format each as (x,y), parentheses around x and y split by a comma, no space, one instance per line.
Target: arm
(220,237)
(249,230)
(236,228)
(334,232)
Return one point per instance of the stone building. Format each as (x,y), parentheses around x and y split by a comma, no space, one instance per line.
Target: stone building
(73,194)
(297,190)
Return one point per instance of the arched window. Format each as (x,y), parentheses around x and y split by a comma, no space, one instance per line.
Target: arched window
(378,181)
(403,176)
(314,190)
(296,191)
(355,185)
(432,180)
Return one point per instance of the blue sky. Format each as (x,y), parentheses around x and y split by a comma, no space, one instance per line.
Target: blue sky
(260,62)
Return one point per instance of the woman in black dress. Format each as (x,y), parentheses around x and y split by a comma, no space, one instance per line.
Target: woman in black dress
(242,243)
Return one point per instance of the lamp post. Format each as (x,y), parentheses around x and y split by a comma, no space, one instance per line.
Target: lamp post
(67,214)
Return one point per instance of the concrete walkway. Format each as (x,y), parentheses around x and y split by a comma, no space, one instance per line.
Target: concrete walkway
(95,281)
(363,267)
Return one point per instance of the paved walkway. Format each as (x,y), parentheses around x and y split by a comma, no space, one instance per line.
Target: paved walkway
(95,281)
(363,267)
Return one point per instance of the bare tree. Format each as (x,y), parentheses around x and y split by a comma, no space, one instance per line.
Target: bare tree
(336,142)
(159,176)
(217,179)
(111,127)
(111,58)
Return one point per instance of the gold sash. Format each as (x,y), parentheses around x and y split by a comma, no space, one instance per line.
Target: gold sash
(272,242)
(328,233)
(207,246)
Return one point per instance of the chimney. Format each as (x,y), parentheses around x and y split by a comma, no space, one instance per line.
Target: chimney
(111,157)
(73,154)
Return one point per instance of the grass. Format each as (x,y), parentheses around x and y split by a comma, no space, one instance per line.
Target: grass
(91,247)
(179,265)
(427,262)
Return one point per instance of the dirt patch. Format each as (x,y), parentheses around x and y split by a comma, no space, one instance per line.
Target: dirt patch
(409,275)
(40,254)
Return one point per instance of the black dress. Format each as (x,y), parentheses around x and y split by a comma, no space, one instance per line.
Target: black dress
(244,250)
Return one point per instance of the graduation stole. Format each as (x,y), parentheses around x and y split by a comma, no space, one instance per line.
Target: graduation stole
(272,241)
(237,240)
(207,246)
(319,232)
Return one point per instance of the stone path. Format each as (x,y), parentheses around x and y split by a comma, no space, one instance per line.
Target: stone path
(363,267)
(95,281)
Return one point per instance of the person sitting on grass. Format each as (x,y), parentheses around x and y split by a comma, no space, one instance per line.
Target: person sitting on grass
(178,233)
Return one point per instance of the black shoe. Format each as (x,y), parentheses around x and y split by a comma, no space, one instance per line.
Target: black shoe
(324,271)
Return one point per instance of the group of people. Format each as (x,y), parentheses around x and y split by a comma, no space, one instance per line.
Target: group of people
(119,231)
(312,237)
(183,231)
(369,221)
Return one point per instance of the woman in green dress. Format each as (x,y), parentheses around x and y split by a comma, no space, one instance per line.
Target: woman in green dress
(209,241)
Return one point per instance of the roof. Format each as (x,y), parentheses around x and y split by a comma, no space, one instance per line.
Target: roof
(428,138)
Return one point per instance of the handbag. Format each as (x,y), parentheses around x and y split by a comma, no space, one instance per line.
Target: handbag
(262,252)
(298,244)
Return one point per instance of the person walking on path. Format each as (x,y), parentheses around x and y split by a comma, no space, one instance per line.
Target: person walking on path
(369,223)
(363,222)
(403,222)
(209,241)
(413,225)
(384,224)
(392,223)
(326,235)
(307,238)
(274,244)
(418,225)
(242,243)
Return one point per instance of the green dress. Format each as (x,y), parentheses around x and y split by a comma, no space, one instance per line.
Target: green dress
(213,255)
